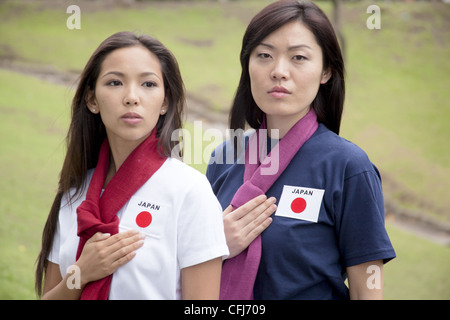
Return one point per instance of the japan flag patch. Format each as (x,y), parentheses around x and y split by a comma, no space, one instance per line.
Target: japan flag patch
(300,203)
(145,215)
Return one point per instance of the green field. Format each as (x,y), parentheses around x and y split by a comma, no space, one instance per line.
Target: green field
(397,110)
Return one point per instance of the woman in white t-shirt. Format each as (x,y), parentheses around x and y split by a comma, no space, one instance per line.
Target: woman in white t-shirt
(129,221)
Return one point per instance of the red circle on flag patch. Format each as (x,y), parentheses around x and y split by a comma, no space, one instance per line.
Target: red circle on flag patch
(144,219)
(298,205)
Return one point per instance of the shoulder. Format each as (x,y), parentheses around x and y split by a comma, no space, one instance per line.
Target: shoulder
(330,142)
(227,154)
(339,152)
(178,177)
(187,190)
(181,172)
(229,148)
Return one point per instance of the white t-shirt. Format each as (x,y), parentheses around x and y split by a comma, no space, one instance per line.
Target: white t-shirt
(186,229)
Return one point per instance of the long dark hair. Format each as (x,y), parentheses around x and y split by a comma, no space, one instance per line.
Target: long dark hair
(329,102)
(87,131)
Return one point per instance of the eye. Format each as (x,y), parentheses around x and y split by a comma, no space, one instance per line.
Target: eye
(149,84)
(299,58)
(264,55)
(114,83)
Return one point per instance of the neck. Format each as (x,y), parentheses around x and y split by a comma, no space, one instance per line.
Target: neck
(283,123)
(119,152)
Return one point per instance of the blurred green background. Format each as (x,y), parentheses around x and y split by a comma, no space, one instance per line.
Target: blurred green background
(397,109)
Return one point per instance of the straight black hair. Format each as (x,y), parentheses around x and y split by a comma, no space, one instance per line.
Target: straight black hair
(329,102)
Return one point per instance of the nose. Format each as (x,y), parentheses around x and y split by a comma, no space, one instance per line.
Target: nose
(131,97)
(280,70)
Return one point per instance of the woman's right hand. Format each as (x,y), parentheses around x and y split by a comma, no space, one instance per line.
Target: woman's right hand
(247,222)
(103,254)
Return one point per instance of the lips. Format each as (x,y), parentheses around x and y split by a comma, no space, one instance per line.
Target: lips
(131,118)
(279,92)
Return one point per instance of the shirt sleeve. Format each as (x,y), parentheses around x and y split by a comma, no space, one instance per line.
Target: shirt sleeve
(201,235)
(217,157)
(361,234)
(210,171)
(54,253)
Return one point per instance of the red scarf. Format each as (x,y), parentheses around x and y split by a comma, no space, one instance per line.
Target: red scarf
(97,213)
(239,272)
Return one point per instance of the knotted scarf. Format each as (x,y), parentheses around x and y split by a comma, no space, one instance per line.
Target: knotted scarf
(97,213)
(239,272)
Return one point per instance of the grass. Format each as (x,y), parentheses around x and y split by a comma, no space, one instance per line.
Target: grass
(32,127)
(420,270)
(192,28)
(397,102)
(396,110)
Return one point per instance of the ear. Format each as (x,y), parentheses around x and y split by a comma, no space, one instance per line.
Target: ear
(91,102)
(165,106)
(326,75)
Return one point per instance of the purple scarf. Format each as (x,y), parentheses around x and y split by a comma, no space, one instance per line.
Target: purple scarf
(239,272)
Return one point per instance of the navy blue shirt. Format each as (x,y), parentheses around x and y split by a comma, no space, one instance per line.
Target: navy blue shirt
(304,259)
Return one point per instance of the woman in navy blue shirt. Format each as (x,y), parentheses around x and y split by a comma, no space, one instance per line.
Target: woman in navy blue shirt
(328,223)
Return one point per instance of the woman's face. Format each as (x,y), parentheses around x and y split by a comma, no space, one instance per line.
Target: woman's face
(129,94)
(286,71)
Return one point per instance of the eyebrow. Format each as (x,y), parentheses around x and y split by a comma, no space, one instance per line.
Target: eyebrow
(298,46)
(121,74)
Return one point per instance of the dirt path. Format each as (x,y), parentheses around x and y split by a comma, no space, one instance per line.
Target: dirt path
(199,110)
